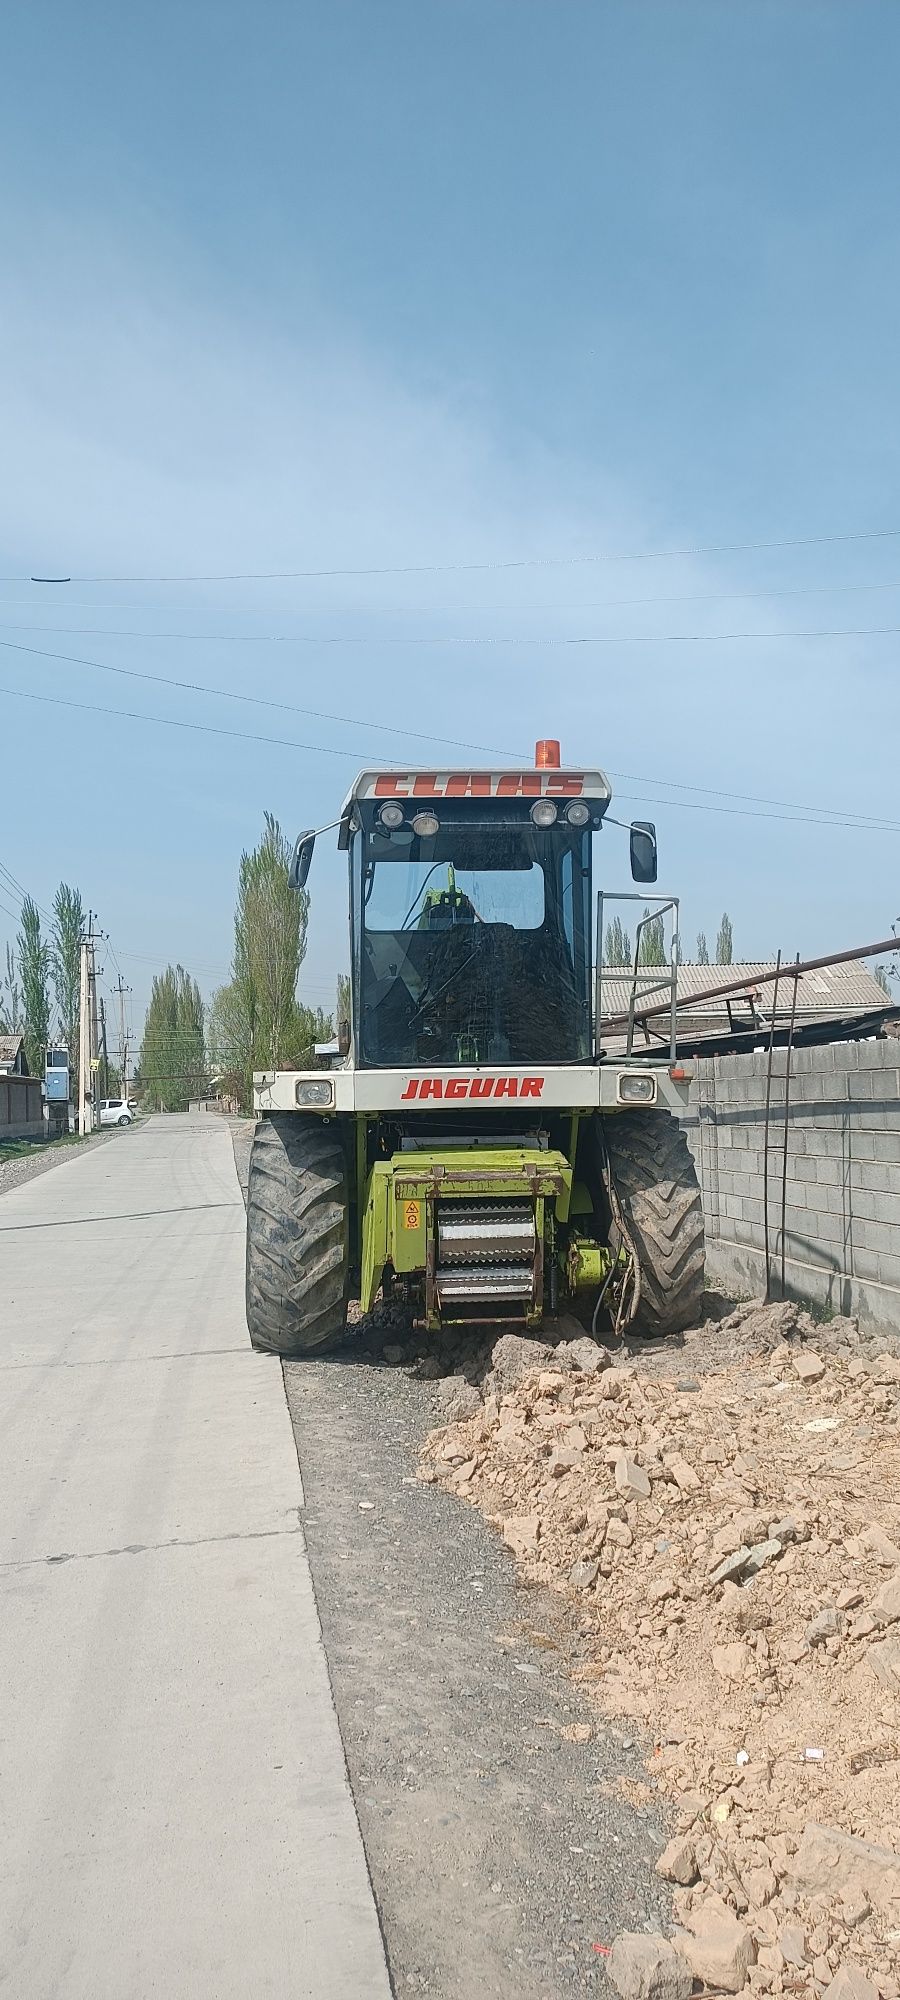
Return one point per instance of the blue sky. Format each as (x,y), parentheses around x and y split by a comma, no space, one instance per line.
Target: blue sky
(402,287)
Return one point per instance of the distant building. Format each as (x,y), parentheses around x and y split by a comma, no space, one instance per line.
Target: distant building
(13,1060)
(21,1095)
(845,993)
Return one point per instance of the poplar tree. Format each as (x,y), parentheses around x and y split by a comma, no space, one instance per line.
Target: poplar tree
(34,967)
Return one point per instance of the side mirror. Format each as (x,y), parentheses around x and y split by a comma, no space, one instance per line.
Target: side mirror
(643,851)
(300,860)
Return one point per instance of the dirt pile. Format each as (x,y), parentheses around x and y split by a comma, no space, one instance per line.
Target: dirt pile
(733,1545)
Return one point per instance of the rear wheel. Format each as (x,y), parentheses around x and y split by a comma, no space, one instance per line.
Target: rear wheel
(297,1238)
(655,1179)
(123,1121)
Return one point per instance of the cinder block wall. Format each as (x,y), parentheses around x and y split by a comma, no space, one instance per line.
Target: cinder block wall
(842,1214)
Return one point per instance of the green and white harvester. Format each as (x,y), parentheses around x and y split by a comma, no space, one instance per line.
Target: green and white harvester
(473,1153)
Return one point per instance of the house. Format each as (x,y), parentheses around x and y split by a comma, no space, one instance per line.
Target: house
(13,1060)
(21,1095)
(834,1002)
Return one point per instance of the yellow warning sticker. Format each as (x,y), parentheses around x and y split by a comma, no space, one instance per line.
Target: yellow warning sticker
(412,1214)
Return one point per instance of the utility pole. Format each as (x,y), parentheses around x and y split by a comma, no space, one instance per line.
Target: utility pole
(122,989)
(104,1053)
(84,1043)
(94,1026)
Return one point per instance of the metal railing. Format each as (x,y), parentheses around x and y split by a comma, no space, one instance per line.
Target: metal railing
(646,980)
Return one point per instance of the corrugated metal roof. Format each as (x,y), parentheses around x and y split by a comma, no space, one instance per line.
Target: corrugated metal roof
(9,1049)
(847,988)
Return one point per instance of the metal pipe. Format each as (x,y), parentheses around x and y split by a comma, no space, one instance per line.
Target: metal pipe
(787,1104)
(760,979)
(766,1132)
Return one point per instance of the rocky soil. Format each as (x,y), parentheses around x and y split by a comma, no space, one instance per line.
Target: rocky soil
(725,1519)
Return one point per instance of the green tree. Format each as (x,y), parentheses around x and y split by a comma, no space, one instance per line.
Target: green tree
(725,942)
(702,949)
(11,997)
(269,942)
(882,980)
(255,1021)
(228,1043)
(306,1027)
(172,1062)
(65,968)
(617,945)
(34,966)
(653,942)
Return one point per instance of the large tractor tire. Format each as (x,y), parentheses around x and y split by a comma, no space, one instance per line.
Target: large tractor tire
(297,1238)
(656,1182)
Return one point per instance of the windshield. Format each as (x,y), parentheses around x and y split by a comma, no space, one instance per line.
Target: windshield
(472,945)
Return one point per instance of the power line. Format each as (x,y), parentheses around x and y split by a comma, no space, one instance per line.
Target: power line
(435,569)
(320,749)
(540,641)
(826,815)
(490,610)
(20,886)
(248,700)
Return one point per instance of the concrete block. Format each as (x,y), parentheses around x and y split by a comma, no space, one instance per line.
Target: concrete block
(865,1262)
(885,1145)
(878,1236)
(879,1177)
(753,1210)
(803,1167)
(835,1199)
(889,1275)
(828,1169)
(862,1205)
(863,1144)
(887,1209)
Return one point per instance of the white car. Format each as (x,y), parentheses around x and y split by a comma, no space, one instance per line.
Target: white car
(116,1111)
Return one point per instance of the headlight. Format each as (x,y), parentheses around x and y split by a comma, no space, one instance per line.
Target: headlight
(578,813)
(543,812)
(319,1091)
(391,817)
(426,825)
(636,1089)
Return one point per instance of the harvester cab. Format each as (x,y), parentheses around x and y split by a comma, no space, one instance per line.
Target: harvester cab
(476,1153)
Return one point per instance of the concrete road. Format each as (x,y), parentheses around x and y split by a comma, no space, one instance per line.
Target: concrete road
(175,1817)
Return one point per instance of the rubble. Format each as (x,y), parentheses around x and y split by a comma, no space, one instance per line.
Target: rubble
(647,1968)
(850,1983)
(678,1862)
(737,1578)
(718,1949)
(830,1863)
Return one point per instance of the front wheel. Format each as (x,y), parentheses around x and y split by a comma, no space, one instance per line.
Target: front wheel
(297,1236)
(655,1179)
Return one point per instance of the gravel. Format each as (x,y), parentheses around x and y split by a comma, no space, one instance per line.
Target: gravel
(501,1839)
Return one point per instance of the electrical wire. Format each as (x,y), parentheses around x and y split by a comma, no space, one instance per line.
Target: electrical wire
(20,886)
(488,610)
(326,750)
(539,642)
(435,569)
(825,814)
